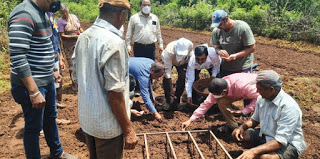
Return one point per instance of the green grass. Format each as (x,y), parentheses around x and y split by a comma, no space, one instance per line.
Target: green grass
(305,90)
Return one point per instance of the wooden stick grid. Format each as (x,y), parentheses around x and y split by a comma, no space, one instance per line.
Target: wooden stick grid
(172,154)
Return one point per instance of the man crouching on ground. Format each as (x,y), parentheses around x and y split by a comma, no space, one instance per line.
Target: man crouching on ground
(280,134)
(102,74)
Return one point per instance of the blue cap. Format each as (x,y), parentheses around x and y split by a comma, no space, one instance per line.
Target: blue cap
(217,17)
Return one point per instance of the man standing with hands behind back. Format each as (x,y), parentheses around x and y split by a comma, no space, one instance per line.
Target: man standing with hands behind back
(102,73)
(144,31)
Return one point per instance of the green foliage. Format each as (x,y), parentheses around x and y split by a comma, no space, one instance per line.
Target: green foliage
(86,10)
(6,7)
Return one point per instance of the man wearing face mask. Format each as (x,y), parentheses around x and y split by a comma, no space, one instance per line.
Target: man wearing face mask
(32,74)
(224,91)
(177,53)
(144,31)
(204,58)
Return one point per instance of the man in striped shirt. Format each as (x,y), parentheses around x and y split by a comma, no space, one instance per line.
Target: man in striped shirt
(32,74)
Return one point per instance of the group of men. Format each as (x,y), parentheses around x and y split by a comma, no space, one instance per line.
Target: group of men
(102,69)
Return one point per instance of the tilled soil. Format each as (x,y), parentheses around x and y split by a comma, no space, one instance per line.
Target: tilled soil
(287,61)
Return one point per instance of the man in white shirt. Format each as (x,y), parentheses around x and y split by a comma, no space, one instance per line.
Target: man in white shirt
(177,53)
(102,74)
(280,134)
(144,31)
(204,58)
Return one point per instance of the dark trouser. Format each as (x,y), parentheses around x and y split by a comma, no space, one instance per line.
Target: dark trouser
(180,85)
(286,152)
(195,96)
(38,119)
(142,50)
(223,72)
(105,148)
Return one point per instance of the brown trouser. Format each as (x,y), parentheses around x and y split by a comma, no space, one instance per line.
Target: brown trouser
(223,104)
(105,148)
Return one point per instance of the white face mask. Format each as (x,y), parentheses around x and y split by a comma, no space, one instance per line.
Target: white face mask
(146,9)
(217,96)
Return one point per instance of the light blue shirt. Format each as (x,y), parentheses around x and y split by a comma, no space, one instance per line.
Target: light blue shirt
(280,120)
(140,67)
(100,65)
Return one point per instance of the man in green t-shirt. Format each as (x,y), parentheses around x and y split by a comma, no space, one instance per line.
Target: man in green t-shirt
(234,42)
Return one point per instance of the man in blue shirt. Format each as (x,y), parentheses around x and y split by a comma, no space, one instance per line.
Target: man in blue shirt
(144,70)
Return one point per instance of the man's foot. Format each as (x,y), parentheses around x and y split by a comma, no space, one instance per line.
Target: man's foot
(166,106)
(74,87)
(60,105)
(64,155)
(63,121)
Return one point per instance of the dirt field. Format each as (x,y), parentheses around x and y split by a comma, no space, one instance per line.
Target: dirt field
(290,62)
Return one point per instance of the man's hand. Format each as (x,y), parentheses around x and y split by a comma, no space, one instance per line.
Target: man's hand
(37,101)
(230,58)
(186,124)
(62,66)
(158,117)
(223,53)
(130,139)
(57,77)
(160,50)
(130,52)
(235,112)
(250,154)
(238,133)
(189,100)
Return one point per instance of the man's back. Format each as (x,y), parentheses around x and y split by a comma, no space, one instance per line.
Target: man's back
(101,65)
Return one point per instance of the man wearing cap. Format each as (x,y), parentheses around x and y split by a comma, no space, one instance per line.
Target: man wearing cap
(234,42)
(102,74)
(204,57)
(177,53)
(224,91)
(144,31)
(280,134)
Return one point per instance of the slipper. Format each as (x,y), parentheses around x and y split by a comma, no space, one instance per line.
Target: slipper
(63,122)
(59,105)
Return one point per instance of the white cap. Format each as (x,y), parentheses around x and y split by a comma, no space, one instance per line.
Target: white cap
(182,48)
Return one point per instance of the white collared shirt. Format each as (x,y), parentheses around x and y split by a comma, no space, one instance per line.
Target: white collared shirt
(101,65)
(213,61)
(144,30)
(169,57)
(281,120)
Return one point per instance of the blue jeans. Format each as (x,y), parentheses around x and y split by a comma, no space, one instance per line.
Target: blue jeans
(38,119)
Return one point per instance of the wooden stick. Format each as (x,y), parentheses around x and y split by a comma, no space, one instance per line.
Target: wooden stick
(172,132)
(195,144)
(171,146)
(146,145)
(225,151)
